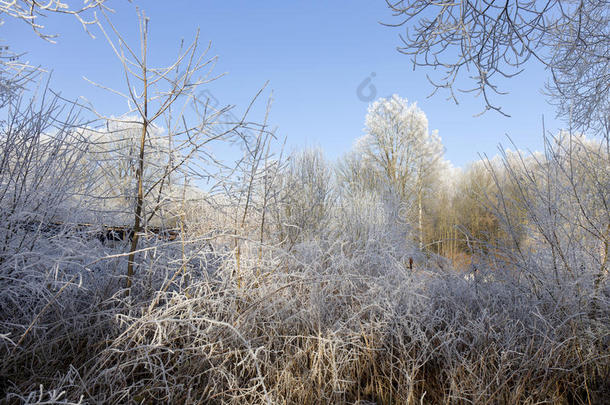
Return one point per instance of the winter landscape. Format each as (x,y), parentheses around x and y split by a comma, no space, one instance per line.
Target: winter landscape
(163,243)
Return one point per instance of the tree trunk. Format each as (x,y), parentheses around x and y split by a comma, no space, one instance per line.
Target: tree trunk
(139,172)
(421,219)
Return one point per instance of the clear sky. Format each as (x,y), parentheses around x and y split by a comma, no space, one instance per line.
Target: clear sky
(315,55)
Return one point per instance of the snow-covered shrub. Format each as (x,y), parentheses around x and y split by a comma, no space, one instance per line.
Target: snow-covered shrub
(39,147)
(296,335)
(561,233)
(306,198)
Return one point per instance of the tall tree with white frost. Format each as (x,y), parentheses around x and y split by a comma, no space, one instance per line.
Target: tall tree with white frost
(400,146)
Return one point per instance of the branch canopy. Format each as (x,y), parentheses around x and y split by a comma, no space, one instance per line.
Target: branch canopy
(493,40)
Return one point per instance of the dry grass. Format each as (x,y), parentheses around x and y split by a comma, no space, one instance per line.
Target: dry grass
(309,334)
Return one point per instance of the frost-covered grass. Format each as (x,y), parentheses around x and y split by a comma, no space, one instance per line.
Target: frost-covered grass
(315,326)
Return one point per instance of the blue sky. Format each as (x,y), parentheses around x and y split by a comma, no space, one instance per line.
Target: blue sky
(314,54)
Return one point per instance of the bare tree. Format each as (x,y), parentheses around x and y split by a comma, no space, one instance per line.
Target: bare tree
(31,11)
(162,95)
(14,74)
(580,67)
(553,209)
(493,40)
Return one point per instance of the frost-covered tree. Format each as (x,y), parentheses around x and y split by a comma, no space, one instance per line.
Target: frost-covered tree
(16,75)
(162,94)
(399,146)
(355,174)
(40,146)
(485,42)
(32,11)
(112,156)
(441,218)
(308,196)
(369,213)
